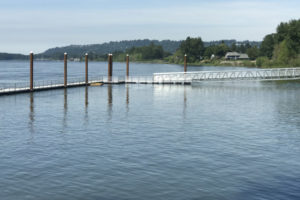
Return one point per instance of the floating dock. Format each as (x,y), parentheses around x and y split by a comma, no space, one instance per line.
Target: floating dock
(157,78)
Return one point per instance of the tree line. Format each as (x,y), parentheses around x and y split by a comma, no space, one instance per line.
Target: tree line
(276,50)
(195,48)
(283,47)
(9,56)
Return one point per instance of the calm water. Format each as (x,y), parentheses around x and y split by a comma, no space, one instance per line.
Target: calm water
(213,141)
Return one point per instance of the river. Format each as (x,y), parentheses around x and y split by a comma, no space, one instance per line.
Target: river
(210,141)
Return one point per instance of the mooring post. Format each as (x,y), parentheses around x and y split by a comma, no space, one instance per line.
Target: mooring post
(65,70)
(110,67)
(31,70)
(86,69)
(127,65)
(185,63)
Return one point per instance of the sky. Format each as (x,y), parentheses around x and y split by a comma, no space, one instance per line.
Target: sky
(36,25)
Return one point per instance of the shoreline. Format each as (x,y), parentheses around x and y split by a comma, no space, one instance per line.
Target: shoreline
(220,63)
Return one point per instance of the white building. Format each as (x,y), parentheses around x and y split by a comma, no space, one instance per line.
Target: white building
(236,56)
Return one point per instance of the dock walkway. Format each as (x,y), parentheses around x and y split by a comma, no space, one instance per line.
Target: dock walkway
(162,78)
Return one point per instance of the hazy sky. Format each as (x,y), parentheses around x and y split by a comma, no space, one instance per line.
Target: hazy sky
(37,25)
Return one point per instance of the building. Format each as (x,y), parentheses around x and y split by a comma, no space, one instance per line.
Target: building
(236,56)
(244,56)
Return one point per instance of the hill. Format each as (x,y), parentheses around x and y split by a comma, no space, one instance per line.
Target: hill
(99,51)
(77,51)
(10,56)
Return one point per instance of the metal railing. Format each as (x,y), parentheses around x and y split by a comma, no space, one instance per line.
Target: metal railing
(45,84)
(9,87)
(139,79)
(129,79)
(233,75)
(48,84)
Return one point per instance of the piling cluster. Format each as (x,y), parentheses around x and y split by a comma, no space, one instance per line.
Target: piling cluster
(109,73)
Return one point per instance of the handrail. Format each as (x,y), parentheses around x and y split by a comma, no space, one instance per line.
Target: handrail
(195,72)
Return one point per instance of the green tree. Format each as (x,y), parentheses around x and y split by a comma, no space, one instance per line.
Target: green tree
(210,50)
(253,52)
(282,53)
(221,50)
(262,61)
(247,46)
(282,32)
(147,52)
(293,38)
(193,47)
(267,46)
(287,40)
(241,49)
(233,47)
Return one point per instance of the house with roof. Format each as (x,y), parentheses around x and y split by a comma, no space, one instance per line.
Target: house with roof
(236,56)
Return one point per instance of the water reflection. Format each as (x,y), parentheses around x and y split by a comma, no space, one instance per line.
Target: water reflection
(109,94)
(65,99)
(127,98)
(86,103)
(65,107)
(31,113)
(184,102)
(86,96)
(110,100)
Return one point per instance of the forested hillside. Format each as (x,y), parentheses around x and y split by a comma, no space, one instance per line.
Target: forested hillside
(9,56)
(98,50)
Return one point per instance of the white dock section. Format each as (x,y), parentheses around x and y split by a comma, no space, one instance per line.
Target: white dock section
(232,75)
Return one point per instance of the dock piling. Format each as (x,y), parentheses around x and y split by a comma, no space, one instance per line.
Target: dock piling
(110,67)
(65,70)
(86,69)
(185,63)
(127,65)
(31,71)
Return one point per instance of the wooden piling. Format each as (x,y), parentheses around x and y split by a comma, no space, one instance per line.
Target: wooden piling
(127,65)
(65,70)
(110,66)
(31,71)
(185,63)
(86,69)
